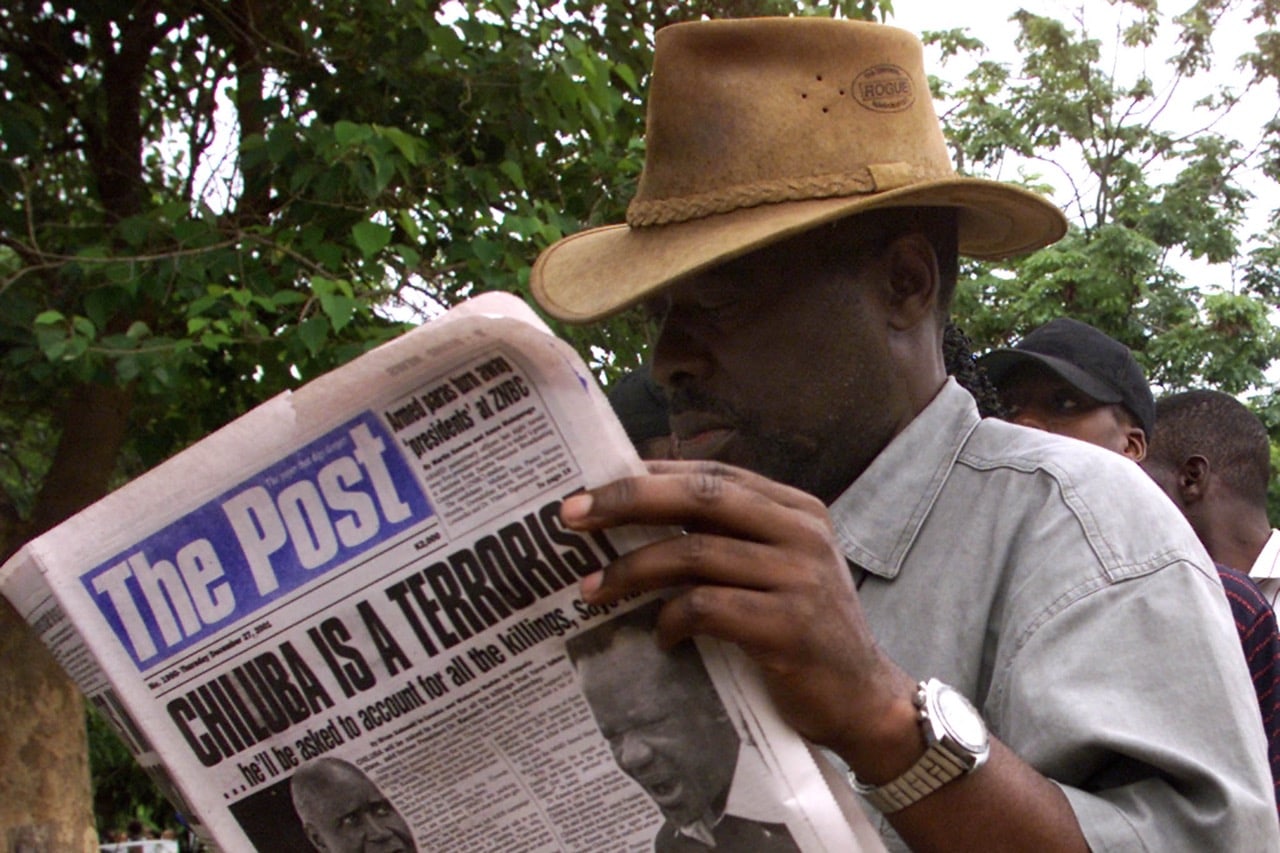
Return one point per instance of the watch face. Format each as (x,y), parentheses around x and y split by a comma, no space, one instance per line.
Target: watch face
(961,719)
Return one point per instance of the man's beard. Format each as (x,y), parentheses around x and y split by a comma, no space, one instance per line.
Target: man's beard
(787,457)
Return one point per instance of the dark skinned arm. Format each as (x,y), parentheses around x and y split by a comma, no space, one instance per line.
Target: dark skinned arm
(759,566)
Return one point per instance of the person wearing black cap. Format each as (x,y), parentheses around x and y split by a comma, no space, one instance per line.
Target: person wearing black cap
(641,406)
(1066,377)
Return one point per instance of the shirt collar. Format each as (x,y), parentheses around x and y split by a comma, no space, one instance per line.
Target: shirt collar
(1267,565)
(749,797)
(878,517)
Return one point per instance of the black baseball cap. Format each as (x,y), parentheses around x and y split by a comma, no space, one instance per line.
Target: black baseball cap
(1088,359)
(641,405)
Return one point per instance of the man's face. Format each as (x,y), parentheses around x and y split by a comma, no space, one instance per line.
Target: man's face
(779,362)
(665,724)
(1165,475)
(1039,398)
(346,813)
(1169,475)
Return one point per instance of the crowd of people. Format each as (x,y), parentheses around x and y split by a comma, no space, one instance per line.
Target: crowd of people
(139,838)
(1064,567)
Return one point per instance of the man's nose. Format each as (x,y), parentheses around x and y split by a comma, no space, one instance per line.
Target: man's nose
(375,829)
(679,349)
(633,753)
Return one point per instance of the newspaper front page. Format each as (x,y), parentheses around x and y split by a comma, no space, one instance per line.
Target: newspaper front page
(353,614)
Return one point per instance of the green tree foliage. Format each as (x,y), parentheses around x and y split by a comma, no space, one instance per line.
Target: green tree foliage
(122,792)
(207,203)
(136,316)
(1160,253)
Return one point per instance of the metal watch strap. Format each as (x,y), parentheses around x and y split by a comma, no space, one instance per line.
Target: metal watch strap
(934,769)
(938,766)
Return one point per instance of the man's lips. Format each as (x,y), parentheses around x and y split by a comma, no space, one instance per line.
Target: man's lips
(696,436)
(704,445)
(667,792)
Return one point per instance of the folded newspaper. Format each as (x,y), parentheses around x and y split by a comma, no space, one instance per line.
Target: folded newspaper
(351,617)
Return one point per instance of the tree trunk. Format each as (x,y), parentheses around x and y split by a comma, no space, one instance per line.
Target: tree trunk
(46,805)
(93,425)
(46,800)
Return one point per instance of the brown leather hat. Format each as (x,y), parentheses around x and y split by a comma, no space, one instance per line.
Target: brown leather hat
(759,129)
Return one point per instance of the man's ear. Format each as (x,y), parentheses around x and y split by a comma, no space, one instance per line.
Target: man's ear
(1193,479)
(913,280)
(314,837)
(1135,443)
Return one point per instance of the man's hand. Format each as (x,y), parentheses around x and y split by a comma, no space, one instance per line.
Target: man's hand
(758,566)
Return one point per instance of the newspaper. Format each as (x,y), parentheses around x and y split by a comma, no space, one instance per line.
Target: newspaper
(351,611)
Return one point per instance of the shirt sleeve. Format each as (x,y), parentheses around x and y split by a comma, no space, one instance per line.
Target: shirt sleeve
(1149,725)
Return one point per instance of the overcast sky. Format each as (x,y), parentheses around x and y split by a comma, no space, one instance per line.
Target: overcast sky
(988,20)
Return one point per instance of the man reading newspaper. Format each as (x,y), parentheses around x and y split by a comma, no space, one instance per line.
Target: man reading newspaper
(1010,645)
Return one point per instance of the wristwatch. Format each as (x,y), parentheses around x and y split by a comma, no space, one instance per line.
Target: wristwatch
(958,743)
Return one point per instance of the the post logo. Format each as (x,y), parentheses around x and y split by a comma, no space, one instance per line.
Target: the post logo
(314,511)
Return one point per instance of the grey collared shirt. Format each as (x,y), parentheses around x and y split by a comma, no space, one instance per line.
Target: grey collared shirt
(1054,584)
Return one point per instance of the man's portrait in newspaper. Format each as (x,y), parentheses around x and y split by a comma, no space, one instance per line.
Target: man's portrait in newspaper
(342,811)
(669,730)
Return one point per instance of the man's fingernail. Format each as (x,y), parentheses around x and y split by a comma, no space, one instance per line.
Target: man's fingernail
(576,507)
(591,583)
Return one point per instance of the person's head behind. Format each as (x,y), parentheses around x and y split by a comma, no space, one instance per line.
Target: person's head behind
(1207,434)
(794,237)
(660,713)
(1067,377)
(641,407)
(342,811)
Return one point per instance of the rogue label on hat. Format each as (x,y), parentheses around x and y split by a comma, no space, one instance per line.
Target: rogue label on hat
(884,88)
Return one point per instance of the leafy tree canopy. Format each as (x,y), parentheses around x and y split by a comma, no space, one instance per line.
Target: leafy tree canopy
(1161,254)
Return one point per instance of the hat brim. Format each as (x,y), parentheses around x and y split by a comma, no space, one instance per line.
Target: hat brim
(595,273)
(1000,363)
